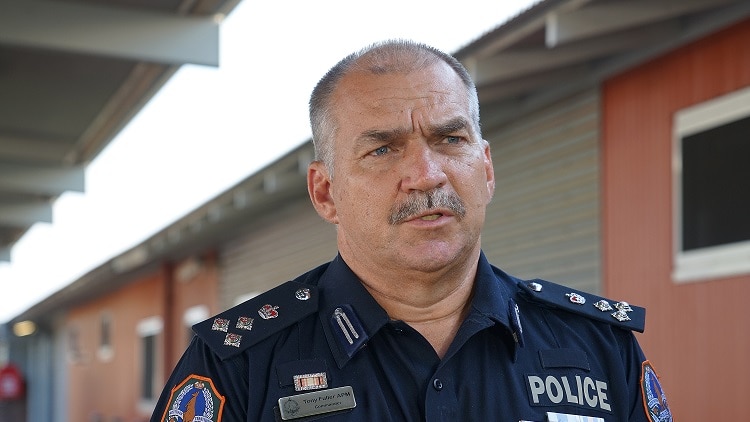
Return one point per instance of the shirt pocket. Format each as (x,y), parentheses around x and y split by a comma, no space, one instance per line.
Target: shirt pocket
(564,358)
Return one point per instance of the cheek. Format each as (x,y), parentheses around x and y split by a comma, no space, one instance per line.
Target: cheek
(474,191)
(356,201)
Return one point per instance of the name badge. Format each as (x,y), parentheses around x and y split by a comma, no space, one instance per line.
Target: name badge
(317,402)
(562,417)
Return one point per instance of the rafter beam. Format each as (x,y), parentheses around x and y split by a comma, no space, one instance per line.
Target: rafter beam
(41,180)
(598,19)
(23,215)
(276,181)
(32,150)
(512,64)
(110,31)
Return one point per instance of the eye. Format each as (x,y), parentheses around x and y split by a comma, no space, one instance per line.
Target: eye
(380,150)
(451,139)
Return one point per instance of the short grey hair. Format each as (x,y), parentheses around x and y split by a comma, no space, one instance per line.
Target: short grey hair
(380,58)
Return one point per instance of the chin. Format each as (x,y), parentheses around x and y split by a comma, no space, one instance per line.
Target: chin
(435,258)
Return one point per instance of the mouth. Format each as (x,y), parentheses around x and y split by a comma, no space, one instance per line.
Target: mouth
(428,207)
(430,217)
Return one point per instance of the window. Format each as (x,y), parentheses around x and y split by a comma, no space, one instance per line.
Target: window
(105,351)
(712,185)
(245,297)
(148,352)
(149,331)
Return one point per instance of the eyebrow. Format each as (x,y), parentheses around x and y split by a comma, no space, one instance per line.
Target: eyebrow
(451,126)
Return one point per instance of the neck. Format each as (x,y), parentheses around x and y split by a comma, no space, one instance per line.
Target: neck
(433,304)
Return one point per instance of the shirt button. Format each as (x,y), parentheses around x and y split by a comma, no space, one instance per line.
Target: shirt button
(437,384)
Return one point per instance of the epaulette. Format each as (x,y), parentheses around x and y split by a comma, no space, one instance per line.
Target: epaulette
(234,330)
(621,314)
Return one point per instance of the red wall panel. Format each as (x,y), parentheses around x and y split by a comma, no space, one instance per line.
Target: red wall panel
(696,333)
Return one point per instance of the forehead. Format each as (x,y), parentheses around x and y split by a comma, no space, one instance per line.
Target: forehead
(364,99)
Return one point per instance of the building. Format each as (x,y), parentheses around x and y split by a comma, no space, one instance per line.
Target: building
(605,119)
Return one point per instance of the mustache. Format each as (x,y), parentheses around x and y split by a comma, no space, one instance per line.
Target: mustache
(420,202)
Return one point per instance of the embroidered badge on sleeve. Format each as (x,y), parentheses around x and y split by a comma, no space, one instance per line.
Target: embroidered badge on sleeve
(654,399)
(194,399)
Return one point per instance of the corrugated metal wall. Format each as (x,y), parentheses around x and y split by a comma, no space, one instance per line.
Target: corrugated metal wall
(544,219)
(277,248)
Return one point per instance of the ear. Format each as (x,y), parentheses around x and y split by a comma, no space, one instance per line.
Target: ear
(489,170)
(319,189)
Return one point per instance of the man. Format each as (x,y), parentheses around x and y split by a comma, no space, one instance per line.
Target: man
(410,322)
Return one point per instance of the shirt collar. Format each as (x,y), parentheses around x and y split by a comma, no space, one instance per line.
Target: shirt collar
(492,293)
(348,313)
(350,316)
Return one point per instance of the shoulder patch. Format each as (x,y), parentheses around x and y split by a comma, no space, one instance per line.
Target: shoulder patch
(232,331)
(654,399)
(621,314)
(195,398)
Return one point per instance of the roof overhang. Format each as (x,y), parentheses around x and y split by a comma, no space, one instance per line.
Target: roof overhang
(558,47)
(72,75)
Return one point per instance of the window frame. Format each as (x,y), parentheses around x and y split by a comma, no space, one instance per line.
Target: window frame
(73,349)
(719,261)
(192,316)
(149,327)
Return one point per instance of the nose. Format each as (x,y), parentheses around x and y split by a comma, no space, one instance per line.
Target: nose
(422,169)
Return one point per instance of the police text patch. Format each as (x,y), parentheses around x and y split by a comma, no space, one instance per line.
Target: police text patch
(577,390)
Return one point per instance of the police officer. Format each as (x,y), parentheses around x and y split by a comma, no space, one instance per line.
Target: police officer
(410,322)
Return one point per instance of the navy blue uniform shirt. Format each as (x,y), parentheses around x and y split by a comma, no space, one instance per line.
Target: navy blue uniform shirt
(321,348)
